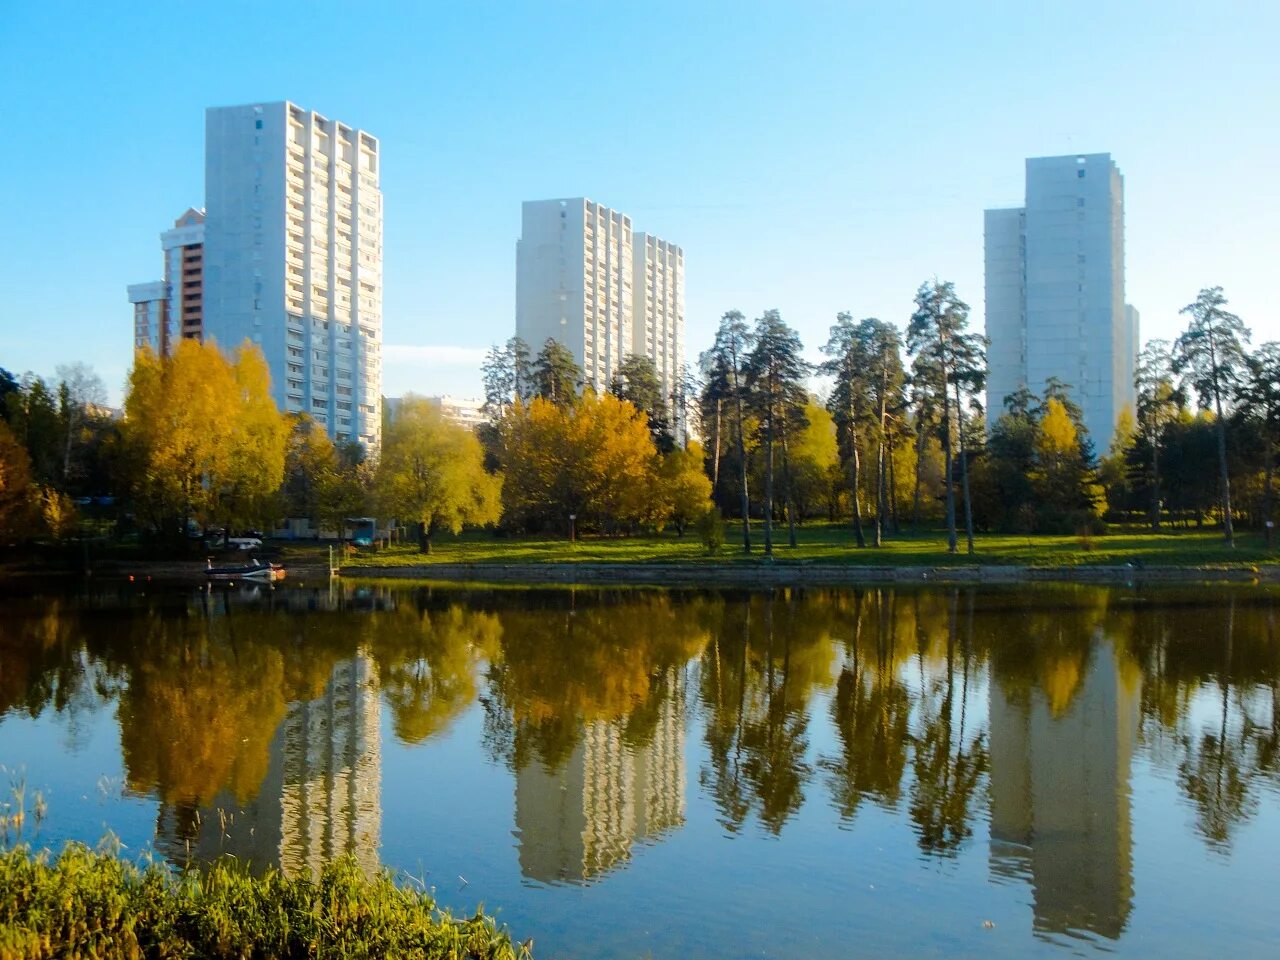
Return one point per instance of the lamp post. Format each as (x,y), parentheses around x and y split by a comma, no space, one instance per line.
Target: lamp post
(572,532)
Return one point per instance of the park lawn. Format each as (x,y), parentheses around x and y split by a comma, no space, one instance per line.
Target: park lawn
(832,543)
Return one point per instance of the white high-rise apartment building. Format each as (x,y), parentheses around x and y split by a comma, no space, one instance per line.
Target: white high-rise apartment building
(573,283)
(1055,291)
(583,278)
(658,296)
(293,258)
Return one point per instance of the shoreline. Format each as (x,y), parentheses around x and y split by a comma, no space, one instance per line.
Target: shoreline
(802,574)
(703,573)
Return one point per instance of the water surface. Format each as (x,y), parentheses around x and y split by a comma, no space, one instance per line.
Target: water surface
(677,774)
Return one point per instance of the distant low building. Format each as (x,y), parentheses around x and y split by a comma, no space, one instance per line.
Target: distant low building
(464,411)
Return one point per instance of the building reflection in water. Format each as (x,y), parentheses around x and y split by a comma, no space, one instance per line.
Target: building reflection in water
(583,818)
(1060,816)
(320,798)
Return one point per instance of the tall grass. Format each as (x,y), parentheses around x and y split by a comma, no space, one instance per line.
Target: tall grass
(86,903)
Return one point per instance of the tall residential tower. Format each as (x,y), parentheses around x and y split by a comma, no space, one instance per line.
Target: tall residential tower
(583,278)
(172,308)
(293,258)
(1055,291)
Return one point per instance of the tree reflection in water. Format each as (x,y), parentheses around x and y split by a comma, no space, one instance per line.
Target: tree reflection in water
(924,702)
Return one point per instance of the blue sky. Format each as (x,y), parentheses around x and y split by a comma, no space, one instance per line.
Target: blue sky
(809,157)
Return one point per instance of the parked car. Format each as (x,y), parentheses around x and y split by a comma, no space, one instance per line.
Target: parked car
(244,543)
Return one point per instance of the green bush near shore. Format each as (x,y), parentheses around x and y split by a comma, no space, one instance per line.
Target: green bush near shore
(87,904)
(827,543)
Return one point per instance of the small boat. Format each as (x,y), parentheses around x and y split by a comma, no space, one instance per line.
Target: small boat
(255,569)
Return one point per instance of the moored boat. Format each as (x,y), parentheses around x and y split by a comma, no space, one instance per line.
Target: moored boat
(255,569)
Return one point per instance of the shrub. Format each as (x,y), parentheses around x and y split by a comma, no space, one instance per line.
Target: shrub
(94,904)
(711,531)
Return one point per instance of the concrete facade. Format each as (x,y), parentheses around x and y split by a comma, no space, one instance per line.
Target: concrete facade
(657,289)
(165,310)
(150,315)
(293,258)
(573,283)
(183,247)
(585,279)
(1055,290)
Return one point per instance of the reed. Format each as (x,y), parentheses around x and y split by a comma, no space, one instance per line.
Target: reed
(95,904)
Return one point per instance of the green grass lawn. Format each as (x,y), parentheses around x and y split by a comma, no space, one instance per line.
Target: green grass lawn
(824,543)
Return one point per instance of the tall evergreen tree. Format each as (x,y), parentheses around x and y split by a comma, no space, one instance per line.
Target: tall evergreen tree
(1211,353)
(925,404)
(728,354)
(508,376)
(938,329)
(556,375)
(1159,400)
(636,381)
(775,374)
(849,363)
(1259,398)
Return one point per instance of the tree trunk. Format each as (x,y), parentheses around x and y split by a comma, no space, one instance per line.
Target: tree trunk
(857,503)
(964,474)
(742,474)
(946,465)
(881,510)
(788,502)
(1155,482)
(893,491)
(424,537)
(1267,522)
(915,497)
(1224,477)
(715,457)
(768,485)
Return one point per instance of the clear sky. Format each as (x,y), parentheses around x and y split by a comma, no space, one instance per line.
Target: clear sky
(809,157)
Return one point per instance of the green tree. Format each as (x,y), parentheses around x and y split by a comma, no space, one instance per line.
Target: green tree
(636,381)
(508,376)
(32,412)
(1160,399)
(432,472)
(1211,352)
(849,363)
(925,403)
(728,356)
(956,361)
(865,358)
(775,373)
(556,375)
(716,392)
(1259,398)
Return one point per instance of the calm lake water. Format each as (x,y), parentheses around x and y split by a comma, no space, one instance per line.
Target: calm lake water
(687,774)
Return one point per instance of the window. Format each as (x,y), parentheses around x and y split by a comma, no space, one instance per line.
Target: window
(257,124)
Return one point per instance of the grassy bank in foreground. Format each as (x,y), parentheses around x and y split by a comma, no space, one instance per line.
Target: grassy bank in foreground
(828,543)
(85,904)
